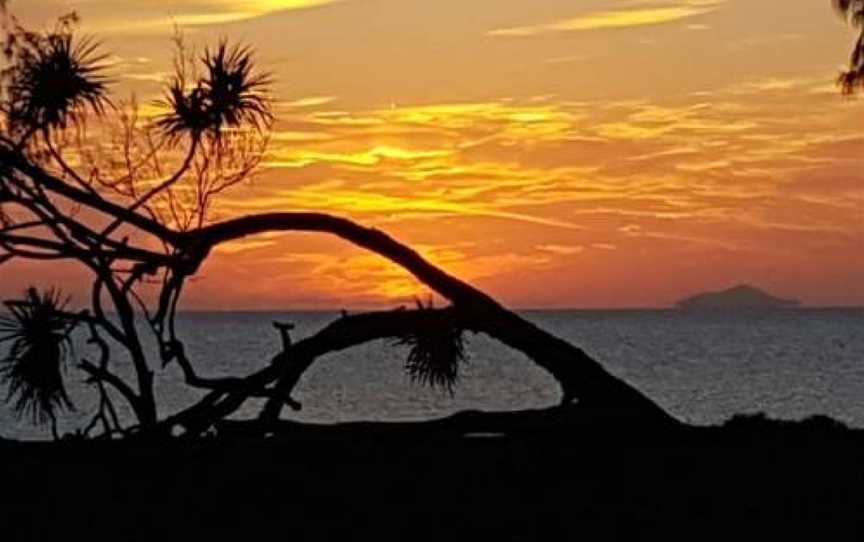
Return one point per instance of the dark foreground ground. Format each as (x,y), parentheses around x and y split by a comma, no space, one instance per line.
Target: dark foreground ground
(553,479)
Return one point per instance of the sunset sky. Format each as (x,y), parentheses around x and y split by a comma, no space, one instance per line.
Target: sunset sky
(556,153)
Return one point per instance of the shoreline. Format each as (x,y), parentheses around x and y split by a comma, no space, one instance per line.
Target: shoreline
(567,477)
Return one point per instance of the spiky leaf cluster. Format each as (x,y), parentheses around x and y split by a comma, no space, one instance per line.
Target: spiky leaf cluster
(853,12)
(53,78)
(436,351)
(37,331)
(230,95)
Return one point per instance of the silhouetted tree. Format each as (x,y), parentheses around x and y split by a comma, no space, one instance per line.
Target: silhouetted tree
(113,203)
(853,12)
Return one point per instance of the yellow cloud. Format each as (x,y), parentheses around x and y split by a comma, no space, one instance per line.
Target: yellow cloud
(623,18)
(151,16)
(332,197)
(627,130)
(311,101)
(562,250)
(371,157)
(223,11)
(703,166)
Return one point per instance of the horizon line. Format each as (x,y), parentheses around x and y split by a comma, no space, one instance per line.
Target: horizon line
(528,309)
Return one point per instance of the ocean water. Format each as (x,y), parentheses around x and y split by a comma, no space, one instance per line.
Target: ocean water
(702,367)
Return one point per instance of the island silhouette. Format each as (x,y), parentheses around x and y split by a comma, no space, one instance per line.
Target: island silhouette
(741,297)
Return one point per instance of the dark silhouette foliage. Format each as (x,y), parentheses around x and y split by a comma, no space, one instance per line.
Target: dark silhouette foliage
(436,350)
(52,78)
(853,12)
(38,330)
(230,95)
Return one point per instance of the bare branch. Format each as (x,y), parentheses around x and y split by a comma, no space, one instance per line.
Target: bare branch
(99,311)
(156,189)
(13,244)
(103,374)
(15,161)
(106,412)
(64,166)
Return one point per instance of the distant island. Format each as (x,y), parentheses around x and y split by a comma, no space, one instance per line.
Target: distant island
(740,297)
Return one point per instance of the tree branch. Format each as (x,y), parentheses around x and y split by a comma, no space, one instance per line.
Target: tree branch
(156,189)
(578,375)
(350,331)
(371,239)
(13,159)
(103,374)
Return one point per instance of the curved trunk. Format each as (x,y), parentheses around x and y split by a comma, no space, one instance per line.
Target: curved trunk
(350,331)
(579,376)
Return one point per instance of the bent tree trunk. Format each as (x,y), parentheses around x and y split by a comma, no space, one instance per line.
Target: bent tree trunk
(580,377)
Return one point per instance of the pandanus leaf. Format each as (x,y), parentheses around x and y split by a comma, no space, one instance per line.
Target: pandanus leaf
(36,331)
(230,95)
(53,79)
(436,350)
(853,77)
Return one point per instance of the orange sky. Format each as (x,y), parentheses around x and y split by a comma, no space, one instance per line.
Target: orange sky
(600,153)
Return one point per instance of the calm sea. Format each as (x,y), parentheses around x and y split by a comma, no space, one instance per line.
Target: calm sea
(702,367)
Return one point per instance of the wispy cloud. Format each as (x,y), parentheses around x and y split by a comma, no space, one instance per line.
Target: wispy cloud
(562,250)
(566,59)
(147,16)
(310,101)
(621,18)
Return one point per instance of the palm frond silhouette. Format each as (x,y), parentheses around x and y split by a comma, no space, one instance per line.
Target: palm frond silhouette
(436,352)
(230,95)
(853,12)
(53,78)
(38,331)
